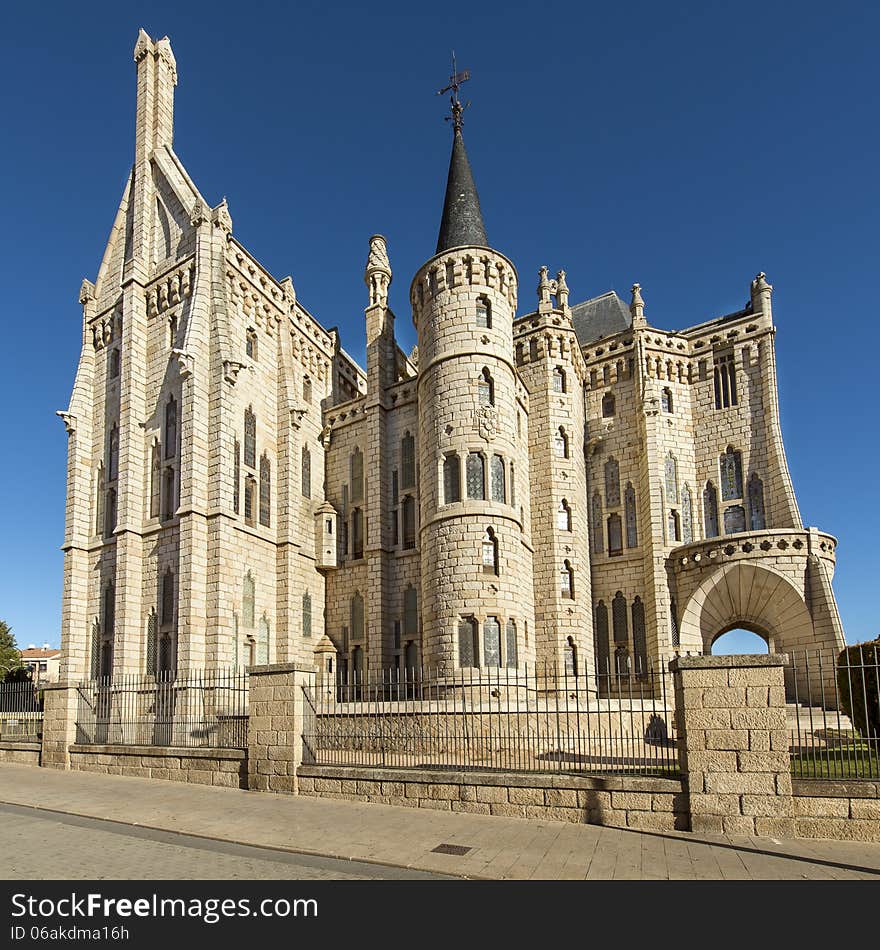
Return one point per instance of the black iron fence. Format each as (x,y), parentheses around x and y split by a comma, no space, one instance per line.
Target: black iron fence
(834,713)
(21,710)
(537,719)
(191,709)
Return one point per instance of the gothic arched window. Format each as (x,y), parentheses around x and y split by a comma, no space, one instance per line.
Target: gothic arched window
(248,599)
(168,493)
(451,479)
(490,552)
(491,642)
(409,522)
(475,471)
(670,474)
(250,500)
(484,313)
(306,472)
(673,527)
(410,612)
(731,474)
(619,619)
(725,380)
(170,428)
(756,503)
(734,519)
(250,343)
(307,614)
(640,641)
(486,387)
(615,534)
(152,643)
(496,471)
(166,598)
(558,380)
(356,617)
(612,483)
(307,390)
(356,471)
(113,454)
(566,578)
(710,510)
(110,512)
(250,438)
(408,461)
(560,443)
(357,533)
(563,516)
(687,515)
(629,511)
(603,648)
(666,399)
(510,645)
(597,525)
(265,491)
(468,647)
(608,405)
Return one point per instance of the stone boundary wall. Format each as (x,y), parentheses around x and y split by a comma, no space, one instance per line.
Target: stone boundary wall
(846,810)
(20,752)
(649,804)
(221,767)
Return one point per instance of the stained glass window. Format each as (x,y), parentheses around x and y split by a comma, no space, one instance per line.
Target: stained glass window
(640,642)
(615,534)
(756,503)
(306,472)
(356,466)
(666,399)
(510,644)
(265,491)
(670,473)
(612,483)
(687,515)
(152,643)
(247,601)
(407,461)
(307,614)
(710,510)
(497,472)
(491,642)
(409,522)
(629,508)
(734,519)
(618,618)
(250,489)
(451,479)
(357,617)
(603,651)
(467,643)
(731,474)
(476,476)
(250,438)
(597,525)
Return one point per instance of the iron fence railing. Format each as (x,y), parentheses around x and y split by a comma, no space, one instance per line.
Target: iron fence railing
(21,710)
(190,709)
(537,719)
(833,703)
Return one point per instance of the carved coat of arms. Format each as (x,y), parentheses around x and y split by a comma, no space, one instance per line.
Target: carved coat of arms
(487,422)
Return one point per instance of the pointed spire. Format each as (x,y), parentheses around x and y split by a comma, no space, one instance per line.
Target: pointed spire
(462,221)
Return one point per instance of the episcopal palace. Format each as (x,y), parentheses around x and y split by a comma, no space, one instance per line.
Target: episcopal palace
(538,481)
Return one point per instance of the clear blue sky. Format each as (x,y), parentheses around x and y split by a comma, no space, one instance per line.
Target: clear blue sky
(686,146)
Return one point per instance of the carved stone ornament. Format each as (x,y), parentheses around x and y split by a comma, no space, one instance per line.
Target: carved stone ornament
(68,420)
(296,416)
(222,217)
(86,291)
(487,423)
(324,437)
(186,363)
(143,46)
(231,369)
(198,214)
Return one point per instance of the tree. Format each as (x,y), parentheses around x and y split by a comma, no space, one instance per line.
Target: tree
(10,657)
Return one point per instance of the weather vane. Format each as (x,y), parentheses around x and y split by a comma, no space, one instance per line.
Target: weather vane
(455,81)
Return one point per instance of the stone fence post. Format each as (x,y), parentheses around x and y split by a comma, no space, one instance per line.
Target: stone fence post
(278,712)
(733,743)
(59,724)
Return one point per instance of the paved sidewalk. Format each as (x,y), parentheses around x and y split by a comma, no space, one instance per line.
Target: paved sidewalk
(407,837)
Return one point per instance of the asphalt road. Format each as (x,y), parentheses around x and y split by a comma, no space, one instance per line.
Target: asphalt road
(41,845)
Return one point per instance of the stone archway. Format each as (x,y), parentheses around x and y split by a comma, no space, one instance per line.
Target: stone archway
(756,597)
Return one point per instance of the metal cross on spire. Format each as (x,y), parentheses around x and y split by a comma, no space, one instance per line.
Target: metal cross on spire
(455,81)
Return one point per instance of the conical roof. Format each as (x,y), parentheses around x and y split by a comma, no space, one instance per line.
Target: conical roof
(462,221)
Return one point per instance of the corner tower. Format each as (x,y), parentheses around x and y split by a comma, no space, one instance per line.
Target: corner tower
(477,595)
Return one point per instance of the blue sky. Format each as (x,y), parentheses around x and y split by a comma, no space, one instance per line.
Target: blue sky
(684,146)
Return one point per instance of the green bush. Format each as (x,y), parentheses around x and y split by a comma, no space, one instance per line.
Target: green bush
(859,688)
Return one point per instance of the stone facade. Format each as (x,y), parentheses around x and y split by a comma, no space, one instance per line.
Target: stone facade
(571,486)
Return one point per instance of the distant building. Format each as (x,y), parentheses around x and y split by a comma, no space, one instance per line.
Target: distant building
(44,662)
(561,483)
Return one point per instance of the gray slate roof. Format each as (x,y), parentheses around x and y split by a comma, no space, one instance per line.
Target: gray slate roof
(600,317)
(462,221)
